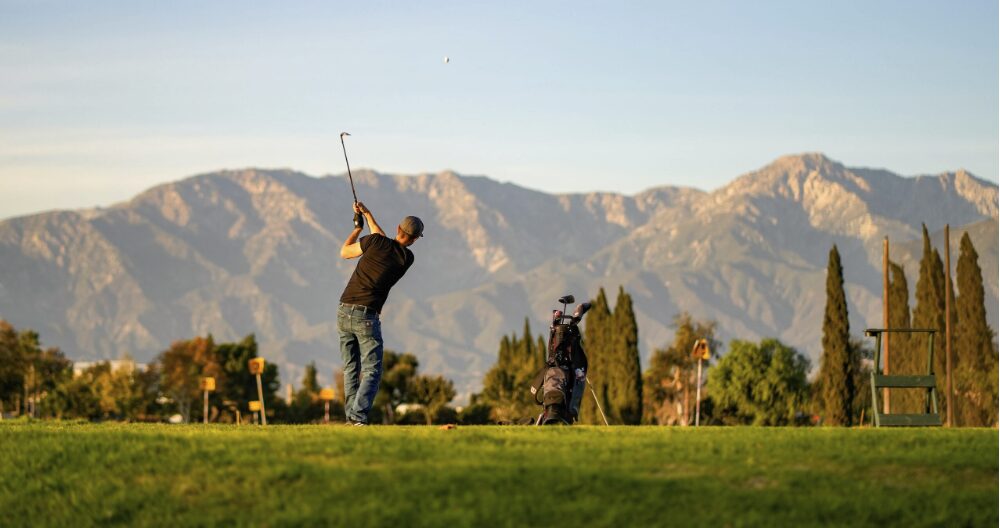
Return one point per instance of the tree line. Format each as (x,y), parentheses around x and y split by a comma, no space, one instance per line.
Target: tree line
(760,383)
(766,382)
(974,365)
(41,383)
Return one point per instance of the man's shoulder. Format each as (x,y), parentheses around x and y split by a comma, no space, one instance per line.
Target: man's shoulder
(373,238)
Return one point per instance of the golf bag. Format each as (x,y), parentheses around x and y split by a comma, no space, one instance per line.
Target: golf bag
(559,386)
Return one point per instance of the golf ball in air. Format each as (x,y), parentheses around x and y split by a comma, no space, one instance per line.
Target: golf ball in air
(447,60)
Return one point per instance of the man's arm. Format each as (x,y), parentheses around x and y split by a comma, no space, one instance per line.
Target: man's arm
(351,248)
(372,224)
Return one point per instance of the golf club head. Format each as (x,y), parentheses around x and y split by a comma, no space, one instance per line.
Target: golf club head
(580,310)
(567,299)
(342,134)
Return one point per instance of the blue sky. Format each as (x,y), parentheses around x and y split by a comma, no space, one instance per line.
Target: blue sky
(100,100)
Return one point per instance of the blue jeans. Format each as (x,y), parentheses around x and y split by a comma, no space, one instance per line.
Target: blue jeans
(361,350)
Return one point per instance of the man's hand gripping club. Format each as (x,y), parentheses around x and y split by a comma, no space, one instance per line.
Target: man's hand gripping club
(352,248)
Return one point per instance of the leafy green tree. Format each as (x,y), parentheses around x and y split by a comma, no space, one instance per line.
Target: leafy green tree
(975,374)
(235,385)
(433,393)
(183,364)
(398,372)
(597,344)
(310,379)
(669,384)
(506,385)
(761,384)
(837,370)
(27,371)
(306,406)
(77,397)
(103,393)
(476,413)
(13,365)
(498,384)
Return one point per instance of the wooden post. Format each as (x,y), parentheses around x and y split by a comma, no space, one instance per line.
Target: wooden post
(260,394)
(255,408)
(949,414)
(885,319)
(326,395)
(28,394)
(700,351)
(207,384)
(257,367)
(697,398)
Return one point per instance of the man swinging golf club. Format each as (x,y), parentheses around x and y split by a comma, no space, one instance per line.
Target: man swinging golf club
(383,261)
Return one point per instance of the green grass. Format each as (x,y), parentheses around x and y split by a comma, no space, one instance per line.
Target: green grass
(88,474)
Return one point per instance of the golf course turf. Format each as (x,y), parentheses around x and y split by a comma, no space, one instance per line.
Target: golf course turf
(79,474)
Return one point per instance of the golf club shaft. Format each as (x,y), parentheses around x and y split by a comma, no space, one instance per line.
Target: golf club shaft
(349,177)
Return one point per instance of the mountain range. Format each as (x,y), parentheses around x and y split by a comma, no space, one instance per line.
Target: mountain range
(241,251)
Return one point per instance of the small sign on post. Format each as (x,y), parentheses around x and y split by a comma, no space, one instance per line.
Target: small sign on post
(207,384)
(257,368)
(702,352)
(256,407)
(327,396)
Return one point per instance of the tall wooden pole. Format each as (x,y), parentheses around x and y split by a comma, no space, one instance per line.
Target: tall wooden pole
(885,319)
(697,398)
(260,395)
(949,415)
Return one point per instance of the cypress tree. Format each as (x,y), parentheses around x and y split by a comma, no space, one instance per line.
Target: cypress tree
(929,314)
(595,334)
(626,388)
(541,351)
(975,358)
(904,359)
(525,369)
(310,381)
(837,369)
(525,366)
(498,384)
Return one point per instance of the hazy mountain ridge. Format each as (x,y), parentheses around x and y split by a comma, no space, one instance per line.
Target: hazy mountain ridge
(245,251)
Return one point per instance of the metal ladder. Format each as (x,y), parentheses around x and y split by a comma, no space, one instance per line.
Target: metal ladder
(930,417)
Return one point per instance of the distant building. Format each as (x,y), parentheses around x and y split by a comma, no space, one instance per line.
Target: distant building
(126,365)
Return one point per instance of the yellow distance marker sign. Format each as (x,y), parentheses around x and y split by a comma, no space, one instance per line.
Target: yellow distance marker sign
(207,383)
(326,394)
(255,406)
(701,350)
(256,365)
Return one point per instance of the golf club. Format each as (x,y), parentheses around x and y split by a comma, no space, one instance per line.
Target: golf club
(359,220)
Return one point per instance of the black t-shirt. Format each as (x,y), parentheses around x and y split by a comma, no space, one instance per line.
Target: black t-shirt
(383,262)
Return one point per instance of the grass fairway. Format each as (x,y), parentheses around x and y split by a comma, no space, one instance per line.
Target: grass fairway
(87,474)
